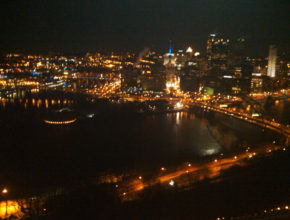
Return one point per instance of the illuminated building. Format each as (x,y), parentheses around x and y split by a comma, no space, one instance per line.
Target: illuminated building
(181,59)
(256,82)
(272,61)
(238,72)
(172,81)
(189,50)
(169,58)
(217,52)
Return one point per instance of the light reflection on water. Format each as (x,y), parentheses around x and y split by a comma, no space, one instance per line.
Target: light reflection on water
(178,118)
(193,134)
(46,103)
(34,103)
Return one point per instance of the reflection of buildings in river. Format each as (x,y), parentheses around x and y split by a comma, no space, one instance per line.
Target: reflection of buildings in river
(178,118)
(201,140)
(181,115)
(38,103)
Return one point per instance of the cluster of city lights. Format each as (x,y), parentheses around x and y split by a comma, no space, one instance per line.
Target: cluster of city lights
(228,161)
(273,211)
(251,119)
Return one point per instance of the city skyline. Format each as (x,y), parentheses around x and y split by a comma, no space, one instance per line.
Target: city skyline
(144,109)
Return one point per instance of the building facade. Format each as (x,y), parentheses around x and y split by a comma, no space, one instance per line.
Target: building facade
(271,72)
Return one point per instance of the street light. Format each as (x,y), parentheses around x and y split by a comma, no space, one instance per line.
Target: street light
(4,192)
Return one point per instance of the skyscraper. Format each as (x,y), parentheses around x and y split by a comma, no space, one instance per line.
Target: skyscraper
(169,58)
(272,61)
(217,50)
(172,81)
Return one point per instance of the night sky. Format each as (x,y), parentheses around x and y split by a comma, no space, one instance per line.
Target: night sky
(73,26)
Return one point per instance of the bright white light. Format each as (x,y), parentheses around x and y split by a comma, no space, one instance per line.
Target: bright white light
(210,151)
(256,74)
(90,115)
(196,54)
(171,183)
(178,105)
(189,50)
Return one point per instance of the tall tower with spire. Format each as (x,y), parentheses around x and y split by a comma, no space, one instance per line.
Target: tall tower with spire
(170,48)
(169,58)
(172,81)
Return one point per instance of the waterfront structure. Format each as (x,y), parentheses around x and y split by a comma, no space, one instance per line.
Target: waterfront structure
(272,61)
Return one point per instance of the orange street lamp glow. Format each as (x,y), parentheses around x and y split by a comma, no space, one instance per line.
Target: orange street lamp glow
(4,191)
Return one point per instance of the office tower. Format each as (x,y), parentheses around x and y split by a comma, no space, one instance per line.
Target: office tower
(217,50)
(282,63)
(272,61)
